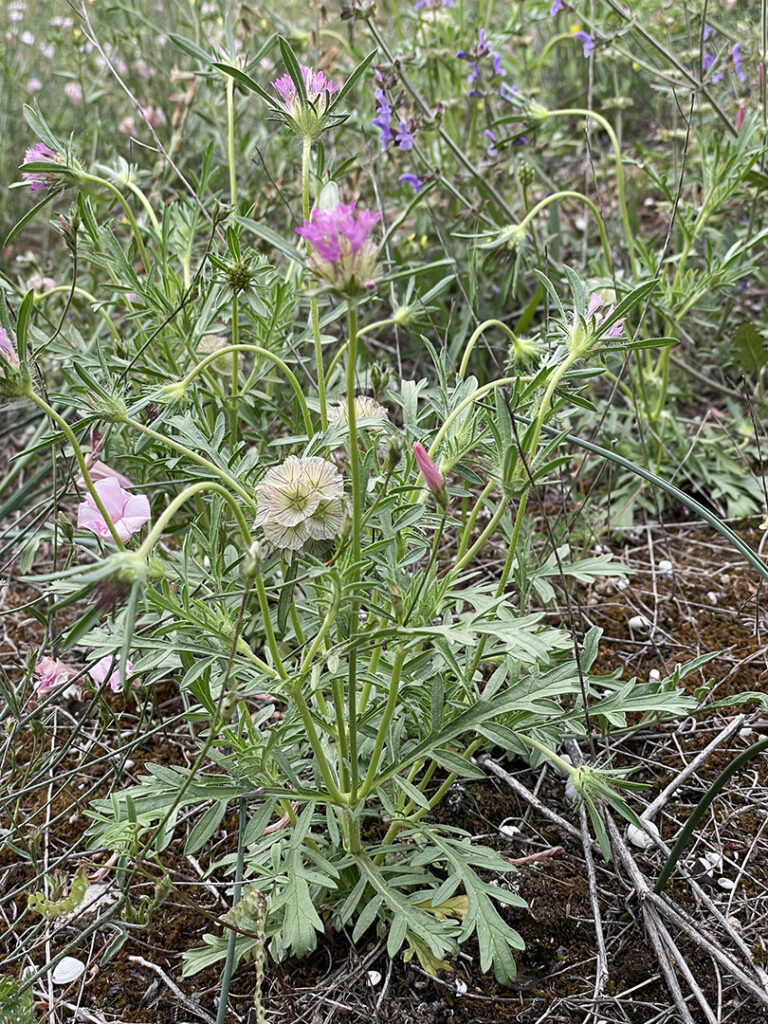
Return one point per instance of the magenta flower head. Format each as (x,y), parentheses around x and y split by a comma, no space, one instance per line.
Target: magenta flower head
(430,472)
(343,253)
(307,120)
(128,512)
(40,153)
(15,381)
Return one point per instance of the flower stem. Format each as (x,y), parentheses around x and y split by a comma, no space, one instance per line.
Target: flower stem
(189,492)
(193,455)
(126,209)
(357,499)
(313,310)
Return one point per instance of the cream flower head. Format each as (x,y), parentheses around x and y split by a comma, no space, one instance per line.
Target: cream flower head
(366,408)
(300,500)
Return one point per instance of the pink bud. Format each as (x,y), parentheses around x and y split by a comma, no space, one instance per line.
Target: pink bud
(740,117)
(429,470)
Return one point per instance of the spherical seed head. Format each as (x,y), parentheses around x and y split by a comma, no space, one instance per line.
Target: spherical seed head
(525,173)
(239,276)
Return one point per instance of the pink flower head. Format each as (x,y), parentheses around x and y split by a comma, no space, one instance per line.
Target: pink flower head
(598,317)
(100,672)
(127,511)
(343,253)
(316,86)
(8,352)
(39,179)
(429,471)
(52,674)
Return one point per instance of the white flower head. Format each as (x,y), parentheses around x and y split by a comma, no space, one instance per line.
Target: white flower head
(300,500)
(366,408)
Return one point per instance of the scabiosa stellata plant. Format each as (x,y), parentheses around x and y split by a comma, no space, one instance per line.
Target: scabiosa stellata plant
(8,353)
(300,500)
(343,254)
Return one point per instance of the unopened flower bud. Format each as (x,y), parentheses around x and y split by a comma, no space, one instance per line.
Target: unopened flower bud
(430,472)
(394,453)
(251,565)
(525,174)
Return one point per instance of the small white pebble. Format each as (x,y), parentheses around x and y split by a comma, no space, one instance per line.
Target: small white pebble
(571,793)
(461,987)
(654,675)
(639,623)
(509,830)
(621,583)
(665,567)
(726,883)
(373,978)
(746,732)
(639,837)
(713,597)
(67,970)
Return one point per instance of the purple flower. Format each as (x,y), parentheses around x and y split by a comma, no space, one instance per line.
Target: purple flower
(556,7)
(431,5)
(491,151)
(707,32)
(343,254)
(8,349)
(404,139)
(39,179)
(475,56)
(383,118)
(707,61)
(412,180)
(737,62)
(587,40)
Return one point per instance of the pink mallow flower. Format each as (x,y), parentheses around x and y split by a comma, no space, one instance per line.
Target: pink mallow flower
(316,85)
(39,179)
(8,352)
(100,672)
(127,511)
(344,254)
(52,674)
(429,471)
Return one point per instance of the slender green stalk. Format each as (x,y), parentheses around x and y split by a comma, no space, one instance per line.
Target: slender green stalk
(94,179)
(265,354)
(85,295)
(269,633)
(235,349)
(189,492)
(78,453)
(386,718)
(569,194)
(229,963)
(231,142)
(306,151)
(608,129)
(134,188)
(476,335)
(357,511)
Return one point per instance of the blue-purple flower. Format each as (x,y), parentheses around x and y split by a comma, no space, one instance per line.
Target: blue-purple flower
(737,63)
(475,56)
(383,118)
(586,40)
(556,7)
(431,5)
(491,150)
(404,139)
(412,180)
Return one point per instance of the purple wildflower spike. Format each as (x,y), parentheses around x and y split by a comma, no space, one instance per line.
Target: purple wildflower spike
(412,180)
